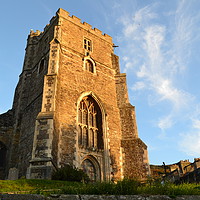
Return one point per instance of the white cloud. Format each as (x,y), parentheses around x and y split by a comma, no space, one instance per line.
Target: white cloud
(125,58)
(138,85)
(130,29)
(135,23)
(189,140)
(196,123)
(153,40)
(145,14)
(157,51)
(128,65)
(142,72)
(165,122)
(190,143)
(183,36)
(155,69)
(157,54)
(168,92)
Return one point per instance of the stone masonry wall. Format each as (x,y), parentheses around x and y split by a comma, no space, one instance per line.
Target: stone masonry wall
(94,197)
(73,80)
(51,85)
(134,157)
(28,97)
(27,134)
(6,133)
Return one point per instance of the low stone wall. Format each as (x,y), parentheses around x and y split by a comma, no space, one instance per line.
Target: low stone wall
(92,197)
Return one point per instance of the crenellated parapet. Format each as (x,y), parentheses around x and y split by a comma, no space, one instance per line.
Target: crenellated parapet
(64,14)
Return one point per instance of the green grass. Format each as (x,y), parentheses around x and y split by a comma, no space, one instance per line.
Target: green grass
(125,187)
(27,186)
(170,189)
(134,188)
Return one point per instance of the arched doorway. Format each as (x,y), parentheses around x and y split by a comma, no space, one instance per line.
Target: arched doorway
(91,167)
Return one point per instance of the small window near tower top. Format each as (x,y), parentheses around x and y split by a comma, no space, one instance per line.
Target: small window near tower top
(87,44)
(89,64)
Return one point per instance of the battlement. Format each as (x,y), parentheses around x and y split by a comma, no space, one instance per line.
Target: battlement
(64,14)
(33,34)
(77,21)
(38,33)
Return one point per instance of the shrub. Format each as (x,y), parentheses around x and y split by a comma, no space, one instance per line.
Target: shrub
(99,188)
(124,187)
(127,186)
(70,173)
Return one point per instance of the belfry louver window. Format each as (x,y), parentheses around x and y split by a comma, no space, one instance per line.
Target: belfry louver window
(87,44)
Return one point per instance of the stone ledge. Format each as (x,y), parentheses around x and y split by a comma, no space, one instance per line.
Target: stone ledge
(21,197)
(93,197)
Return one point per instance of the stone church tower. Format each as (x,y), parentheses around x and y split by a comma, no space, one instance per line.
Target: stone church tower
(71,106)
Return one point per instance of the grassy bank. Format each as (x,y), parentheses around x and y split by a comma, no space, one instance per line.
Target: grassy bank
(25,186)
(126,187)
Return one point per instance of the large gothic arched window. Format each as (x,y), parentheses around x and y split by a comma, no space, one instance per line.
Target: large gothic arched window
(90,124)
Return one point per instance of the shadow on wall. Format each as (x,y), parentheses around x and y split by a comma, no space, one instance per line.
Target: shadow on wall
(3,152)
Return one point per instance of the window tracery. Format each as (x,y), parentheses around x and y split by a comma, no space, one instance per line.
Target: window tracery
(90,124)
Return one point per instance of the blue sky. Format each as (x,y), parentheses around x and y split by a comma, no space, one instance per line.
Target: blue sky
(159,45)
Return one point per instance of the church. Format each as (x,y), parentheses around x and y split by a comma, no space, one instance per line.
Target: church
(71,106)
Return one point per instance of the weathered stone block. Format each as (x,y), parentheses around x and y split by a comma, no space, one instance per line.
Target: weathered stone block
(98,197)
(21,197)
(13,174)
(69,197)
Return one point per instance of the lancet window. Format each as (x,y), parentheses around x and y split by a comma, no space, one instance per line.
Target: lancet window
(90,124)
(89,66)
